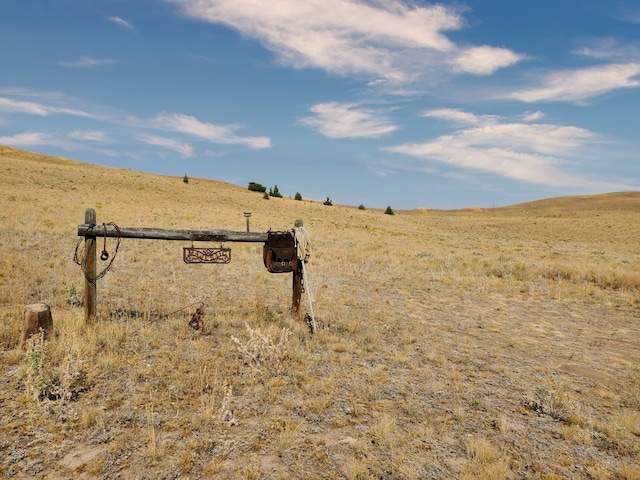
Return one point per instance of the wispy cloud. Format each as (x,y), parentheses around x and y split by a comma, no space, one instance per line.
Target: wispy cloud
(459,116)
(43,104)
(183,149)
(224,134)
(35,139)
(11,105)
(579,85)
(348,120)
(628,12)
(87,62)
(121,22)
(89,135)
(529,152)
(532,116)
(610,50)
(386,39)
(382,170)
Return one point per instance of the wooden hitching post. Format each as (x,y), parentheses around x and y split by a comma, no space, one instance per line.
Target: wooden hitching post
(90,290)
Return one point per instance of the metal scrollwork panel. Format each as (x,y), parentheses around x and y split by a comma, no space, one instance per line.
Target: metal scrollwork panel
(206,255)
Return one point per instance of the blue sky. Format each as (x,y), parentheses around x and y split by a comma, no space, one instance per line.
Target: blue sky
(376,102)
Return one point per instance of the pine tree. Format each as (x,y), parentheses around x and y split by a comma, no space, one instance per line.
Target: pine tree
(275,192)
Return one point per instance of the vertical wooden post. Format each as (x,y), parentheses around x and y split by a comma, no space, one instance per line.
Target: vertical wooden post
(297,283)
(90,289)
(297,290)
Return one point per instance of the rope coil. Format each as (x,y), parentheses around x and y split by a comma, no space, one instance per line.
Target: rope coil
(303,251)
(303,243)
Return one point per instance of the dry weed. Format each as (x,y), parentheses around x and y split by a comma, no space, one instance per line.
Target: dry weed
(384,431)
(629,472)
(266,351)
(153,449)
(290,436)
(487,461)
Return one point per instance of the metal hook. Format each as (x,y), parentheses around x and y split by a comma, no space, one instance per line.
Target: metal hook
(104,256)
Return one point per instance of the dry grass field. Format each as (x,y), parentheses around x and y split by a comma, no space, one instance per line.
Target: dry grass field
(473,344)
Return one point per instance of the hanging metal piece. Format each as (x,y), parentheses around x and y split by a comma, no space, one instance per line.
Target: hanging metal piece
(104,256)
(279,252)
(196,322)
(206,255)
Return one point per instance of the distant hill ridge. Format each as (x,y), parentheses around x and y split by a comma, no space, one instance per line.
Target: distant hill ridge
(615,201)
(605,202)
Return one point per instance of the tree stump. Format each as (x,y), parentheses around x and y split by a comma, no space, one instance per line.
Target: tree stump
(36,316)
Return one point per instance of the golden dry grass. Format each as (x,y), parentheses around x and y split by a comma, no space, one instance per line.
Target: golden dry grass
(479,343)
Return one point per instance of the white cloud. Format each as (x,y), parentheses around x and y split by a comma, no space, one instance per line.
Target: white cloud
(484,60)
(183,149)
(31,139)
(393,40)
(381,171)
(49,103)
(532,116)
(627,12)
(40,109)
(601,49)
(533,153)
(610,50)
(121,22)
(577,85)
(457,116)
(88,62)
(89,135)
(348,120)
(214,133)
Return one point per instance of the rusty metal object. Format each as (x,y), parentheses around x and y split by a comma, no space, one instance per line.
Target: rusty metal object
(206,255)
(197,322)
(279,252)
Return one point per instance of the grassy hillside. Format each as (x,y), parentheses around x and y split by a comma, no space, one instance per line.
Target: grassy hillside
(490,344)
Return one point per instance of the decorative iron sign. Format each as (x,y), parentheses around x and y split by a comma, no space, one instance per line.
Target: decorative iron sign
(206,255)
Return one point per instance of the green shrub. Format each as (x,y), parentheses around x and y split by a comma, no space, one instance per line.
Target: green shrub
(361,207)
(275,192)
(256,187)
(265,196)
(298,196)
(389,211)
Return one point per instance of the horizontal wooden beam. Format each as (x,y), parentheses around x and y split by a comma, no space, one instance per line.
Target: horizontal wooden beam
(164,234)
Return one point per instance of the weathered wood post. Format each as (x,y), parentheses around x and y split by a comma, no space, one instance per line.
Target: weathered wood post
(297,282)
(90,289)
(297,290)
(36,317)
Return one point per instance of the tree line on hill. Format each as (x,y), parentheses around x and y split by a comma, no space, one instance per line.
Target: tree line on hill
(274,192)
